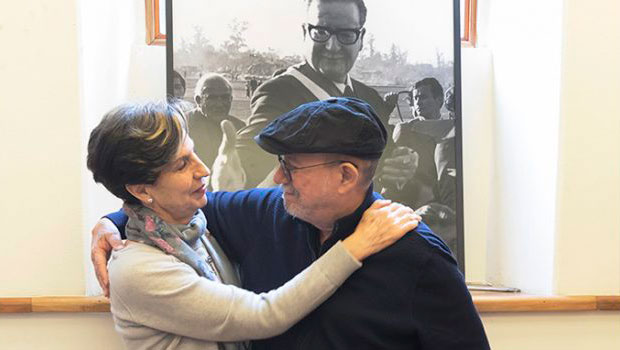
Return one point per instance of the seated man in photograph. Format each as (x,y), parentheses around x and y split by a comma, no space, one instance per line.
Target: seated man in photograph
(410,296)
(430,134)
(213,96)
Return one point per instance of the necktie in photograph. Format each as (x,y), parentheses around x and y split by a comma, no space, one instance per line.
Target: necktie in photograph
(348,92)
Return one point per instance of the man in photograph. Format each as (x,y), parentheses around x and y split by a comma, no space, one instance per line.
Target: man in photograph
(432,190)
(427,99)
(333,36)
(213,96)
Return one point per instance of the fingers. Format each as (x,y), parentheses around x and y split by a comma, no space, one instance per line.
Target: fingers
(229,137)
(100,261)
(104,238)
(401,151)
(114,241)
(380,203)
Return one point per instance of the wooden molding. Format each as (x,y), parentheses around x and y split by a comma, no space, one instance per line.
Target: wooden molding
(468,37)
(54,304)
(486,302)
(153,22)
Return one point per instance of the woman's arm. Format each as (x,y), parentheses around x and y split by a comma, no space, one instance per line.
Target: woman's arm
(158,291)
(168,295)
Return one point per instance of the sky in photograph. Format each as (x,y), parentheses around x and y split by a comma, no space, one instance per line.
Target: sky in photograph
(421,27)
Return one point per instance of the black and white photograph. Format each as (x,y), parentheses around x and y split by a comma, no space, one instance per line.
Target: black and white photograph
(248,62)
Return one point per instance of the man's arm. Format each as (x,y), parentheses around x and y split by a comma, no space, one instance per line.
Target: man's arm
(223,210)
(105,236)
(270,100)
(443,309)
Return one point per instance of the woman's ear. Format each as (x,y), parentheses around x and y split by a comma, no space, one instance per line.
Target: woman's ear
(350,177)
(140,192)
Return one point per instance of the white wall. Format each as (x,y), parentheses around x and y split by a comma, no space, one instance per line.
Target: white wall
(40,148)
(588,217)
(553,331)
(90,331)
(116,67)
(56,86)
(478,154)
(526,43)
(76,79)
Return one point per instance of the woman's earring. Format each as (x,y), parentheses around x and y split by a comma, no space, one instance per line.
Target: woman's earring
(150,200)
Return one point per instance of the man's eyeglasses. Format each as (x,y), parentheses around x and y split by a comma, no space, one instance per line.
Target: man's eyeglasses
(321,34)
(288,169)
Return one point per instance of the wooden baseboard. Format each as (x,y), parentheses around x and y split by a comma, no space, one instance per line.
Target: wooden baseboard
(54,304)
(486,302)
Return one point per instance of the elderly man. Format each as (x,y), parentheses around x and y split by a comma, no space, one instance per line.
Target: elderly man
(333,36)
(410,296)
(213,96)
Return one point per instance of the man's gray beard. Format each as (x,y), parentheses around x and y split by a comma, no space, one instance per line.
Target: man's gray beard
(288,210)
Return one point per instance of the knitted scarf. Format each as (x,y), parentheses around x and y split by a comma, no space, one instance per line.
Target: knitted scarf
(146,227)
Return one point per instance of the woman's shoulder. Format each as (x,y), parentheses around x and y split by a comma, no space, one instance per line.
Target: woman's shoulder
(139,265)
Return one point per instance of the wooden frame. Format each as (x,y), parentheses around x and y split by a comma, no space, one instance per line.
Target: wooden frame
(468,37)
(153,28)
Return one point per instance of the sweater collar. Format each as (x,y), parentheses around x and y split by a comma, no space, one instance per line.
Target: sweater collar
(345,226)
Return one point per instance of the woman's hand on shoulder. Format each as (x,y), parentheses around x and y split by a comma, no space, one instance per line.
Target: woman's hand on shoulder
(382,224)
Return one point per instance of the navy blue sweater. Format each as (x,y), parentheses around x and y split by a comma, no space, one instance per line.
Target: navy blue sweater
(409,296)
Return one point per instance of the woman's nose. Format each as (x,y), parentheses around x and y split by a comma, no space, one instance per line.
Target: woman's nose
(201,170)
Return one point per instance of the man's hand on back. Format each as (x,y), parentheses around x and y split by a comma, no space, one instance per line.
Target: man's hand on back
(105,237)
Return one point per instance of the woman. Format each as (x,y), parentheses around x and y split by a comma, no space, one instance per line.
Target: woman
(166,285)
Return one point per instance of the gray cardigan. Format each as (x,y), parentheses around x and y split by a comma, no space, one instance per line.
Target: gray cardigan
(158,302)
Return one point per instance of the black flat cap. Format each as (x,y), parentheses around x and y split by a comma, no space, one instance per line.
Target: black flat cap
(337,125)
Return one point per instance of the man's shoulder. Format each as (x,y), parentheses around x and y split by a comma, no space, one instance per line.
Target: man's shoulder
(417,247)
(363,89)
(247,197)
(281,82)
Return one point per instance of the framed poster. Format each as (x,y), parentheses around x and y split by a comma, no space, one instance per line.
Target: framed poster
(222,56)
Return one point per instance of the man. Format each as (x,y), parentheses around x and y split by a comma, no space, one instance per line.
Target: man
(333,36)
(431,136)
(213,96)
(178,85)
(410,296)
(426,99)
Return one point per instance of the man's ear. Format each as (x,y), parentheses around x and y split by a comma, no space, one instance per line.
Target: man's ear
(350,177)
(198,99)
(139,191)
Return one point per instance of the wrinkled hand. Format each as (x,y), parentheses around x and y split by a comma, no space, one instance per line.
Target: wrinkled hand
(104,238)
(435,213)
(382,224)
(227,173)
(400,167)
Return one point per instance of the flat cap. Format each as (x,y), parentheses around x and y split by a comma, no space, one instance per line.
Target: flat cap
(336,125)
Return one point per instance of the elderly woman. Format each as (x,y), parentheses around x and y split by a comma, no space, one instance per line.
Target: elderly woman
(167,284)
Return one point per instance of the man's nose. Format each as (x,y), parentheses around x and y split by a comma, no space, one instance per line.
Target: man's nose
(278,176)
(332,44)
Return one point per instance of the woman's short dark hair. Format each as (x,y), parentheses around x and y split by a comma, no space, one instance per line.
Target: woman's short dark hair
(133,143)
